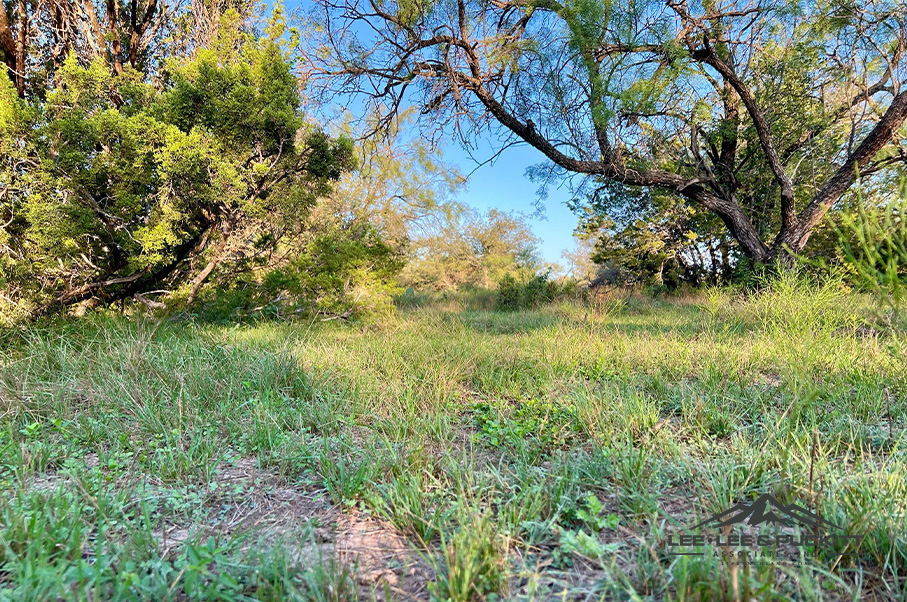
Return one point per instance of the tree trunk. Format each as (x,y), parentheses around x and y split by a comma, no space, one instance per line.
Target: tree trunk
(792,240)
(116,289)
(113,30)
(8,46)
(218,254)
(21,44)
(199,280)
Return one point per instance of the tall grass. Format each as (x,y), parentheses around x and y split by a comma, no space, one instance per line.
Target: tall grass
(475,436)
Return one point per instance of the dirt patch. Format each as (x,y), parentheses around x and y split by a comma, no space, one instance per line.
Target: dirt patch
(680,504)
(384,558)
(48,481)
(769,381)
(247,500)
(272,512)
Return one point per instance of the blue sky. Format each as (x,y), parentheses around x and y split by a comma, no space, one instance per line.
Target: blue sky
(504,185)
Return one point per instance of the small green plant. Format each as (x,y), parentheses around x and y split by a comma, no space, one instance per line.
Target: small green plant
(583,544)
(589,513)
(473,561)
(200,581)
(544,423)
(874,242)
(634,473)
(344,478)
(275,575)
(578,535)
(413,508)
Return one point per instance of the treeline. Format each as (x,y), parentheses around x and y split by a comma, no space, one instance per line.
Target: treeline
(159,154)
(655,240)
(179,155)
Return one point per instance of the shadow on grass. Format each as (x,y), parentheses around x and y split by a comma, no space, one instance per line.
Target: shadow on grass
(687,321)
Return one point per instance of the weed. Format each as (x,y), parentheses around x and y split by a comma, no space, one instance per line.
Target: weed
(544,423)
(414,506)
(473,560)
(512,449)
(345,477)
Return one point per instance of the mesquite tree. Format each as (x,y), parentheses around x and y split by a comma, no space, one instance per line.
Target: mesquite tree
(762,112)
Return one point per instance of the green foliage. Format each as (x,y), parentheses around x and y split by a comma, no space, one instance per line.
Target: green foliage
(348,265)
(874,244)
(116,186)
(510,293)
(402,186)
(465,248)
(588,513)
(345,478)
(414,507)
(344,257)
(577,535)
(652,238)
(541,288)
(544,424)
(694,134)
(473,561)
(582,544)
(339,270)
(789,301)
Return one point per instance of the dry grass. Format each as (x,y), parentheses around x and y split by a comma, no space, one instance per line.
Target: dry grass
(463,454)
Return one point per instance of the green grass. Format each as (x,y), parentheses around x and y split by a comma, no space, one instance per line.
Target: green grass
(542,454)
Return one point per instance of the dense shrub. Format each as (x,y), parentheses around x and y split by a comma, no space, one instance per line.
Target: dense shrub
(539,289)
(114,185)
(874,247)
(341,271)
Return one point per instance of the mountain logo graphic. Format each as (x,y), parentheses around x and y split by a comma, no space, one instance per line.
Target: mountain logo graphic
(766,510)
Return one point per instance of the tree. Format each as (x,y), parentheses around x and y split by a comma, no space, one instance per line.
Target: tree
(646,235)
(347,254)
(579,263)
(469,248)
(351,246)
(402,185)
(37,36)
(761,112)
(113,187)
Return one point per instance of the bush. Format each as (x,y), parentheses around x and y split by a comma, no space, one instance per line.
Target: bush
(343,271)
(539,289)
(510,293)
(874,244)
(113,187)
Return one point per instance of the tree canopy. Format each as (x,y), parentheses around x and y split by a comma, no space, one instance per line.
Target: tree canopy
(117,182)
(760,112)
(469,248)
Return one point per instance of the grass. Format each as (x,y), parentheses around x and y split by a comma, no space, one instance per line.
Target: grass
(453,453)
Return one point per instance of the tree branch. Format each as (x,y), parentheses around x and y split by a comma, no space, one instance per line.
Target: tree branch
(708,56)
(847,174)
